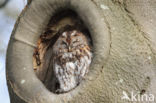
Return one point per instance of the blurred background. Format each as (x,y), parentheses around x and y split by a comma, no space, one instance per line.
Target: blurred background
(9,11)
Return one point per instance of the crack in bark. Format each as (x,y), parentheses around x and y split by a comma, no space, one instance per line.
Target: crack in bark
(139,29)
(129,13)
(25,42)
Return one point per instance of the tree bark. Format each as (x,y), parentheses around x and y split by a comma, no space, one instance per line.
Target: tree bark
(123,33)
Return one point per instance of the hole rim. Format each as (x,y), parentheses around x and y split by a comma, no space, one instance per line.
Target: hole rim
(88,12)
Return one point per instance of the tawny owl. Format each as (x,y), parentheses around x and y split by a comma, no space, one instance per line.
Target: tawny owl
(72,57)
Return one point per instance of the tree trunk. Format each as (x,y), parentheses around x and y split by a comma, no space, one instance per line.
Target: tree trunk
(124,45)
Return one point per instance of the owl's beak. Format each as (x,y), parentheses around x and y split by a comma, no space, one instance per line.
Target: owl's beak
(69,49)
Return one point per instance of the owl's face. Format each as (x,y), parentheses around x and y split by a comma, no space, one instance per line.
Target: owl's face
(70,40)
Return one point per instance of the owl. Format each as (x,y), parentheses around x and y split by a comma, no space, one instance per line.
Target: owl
(71,60)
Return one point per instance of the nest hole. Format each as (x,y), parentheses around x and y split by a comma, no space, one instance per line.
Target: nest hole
(42,57)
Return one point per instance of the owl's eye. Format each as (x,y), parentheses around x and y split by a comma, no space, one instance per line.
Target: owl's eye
(76,41)
(77,34)
(64,43)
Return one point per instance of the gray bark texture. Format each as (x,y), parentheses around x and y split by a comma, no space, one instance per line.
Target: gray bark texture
(124,40)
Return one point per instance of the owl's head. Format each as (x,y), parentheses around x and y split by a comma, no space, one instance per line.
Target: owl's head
(71,40)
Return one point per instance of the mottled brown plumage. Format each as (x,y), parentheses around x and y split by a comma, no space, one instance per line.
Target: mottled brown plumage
(72,57)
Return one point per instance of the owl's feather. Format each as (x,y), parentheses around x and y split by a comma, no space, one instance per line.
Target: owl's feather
(72,59)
